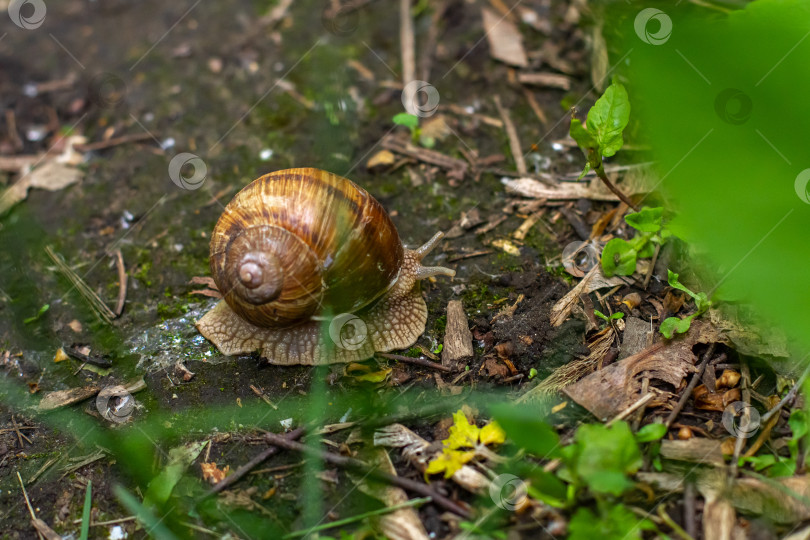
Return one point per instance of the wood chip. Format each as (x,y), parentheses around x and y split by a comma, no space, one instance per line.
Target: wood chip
(550,80)
(457,349)
(529,187)
(505,41)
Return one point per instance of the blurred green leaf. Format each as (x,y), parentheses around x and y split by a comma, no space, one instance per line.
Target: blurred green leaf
(161,486)
(526,429)
(406,119)
(651,432)
(604,456)
(716,101)
(616,522)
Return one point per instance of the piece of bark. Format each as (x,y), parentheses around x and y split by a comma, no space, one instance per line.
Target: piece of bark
(609,391)
(505,41)
(550,80)
(636,337)
(694,450)
(594,190)
(457,348)
(62,398)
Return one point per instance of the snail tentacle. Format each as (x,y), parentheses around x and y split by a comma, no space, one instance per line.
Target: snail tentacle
(428,246)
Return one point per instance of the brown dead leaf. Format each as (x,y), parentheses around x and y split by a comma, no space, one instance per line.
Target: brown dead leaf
(383,158)
(212,474)
(50,176)
(495,368)
(728,379)
(607,392)
(714,401)
(673,301)
(505,41)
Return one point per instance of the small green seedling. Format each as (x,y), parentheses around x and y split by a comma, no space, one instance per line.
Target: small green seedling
(601,136)
(673,325)
(532,373)
(411,121)
(613,316)
(619,255)
(38,316)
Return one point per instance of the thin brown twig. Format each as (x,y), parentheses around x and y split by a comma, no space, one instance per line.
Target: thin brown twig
(122,282)
(652,266)
(109,143)
(424,362)
(511,132)
(247,467)
(408,50)
(691,386)
(350,463)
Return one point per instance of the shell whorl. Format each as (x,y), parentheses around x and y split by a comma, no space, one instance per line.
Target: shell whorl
(301,243)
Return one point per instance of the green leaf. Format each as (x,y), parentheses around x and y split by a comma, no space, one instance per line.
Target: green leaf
(605,456)
(584,170)
(584,139)
(702,301)
(618,257)
(616,522)
(600,314)
(798,423)
(532,373)
(671,325)
(39,314)
(646,220)
(608,118)
(617,315)
(406,119)
(525,427)
(651,432)
(161,486)
(88,503)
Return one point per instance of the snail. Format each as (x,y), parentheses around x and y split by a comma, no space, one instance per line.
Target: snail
(312,271)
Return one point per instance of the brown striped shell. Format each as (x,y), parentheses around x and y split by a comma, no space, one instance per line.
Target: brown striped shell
(299,244)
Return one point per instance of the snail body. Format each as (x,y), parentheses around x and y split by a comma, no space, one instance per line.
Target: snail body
(312,271)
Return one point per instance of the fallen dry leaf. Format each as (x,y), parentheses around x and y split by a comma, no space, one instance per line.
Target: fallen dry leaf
(212,474)
(607,392)
(505,41)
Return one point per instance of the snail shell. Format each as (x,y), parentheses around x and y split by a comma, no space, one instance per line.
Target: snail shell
(300,254)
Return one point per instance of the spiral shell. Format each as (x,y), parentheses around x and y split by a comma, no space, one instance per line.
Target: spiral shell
(300,244)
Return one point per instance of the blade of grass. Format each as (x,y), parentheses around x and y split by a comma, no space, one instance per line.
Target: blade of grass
(88,498)
(151,524)
(358,517)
